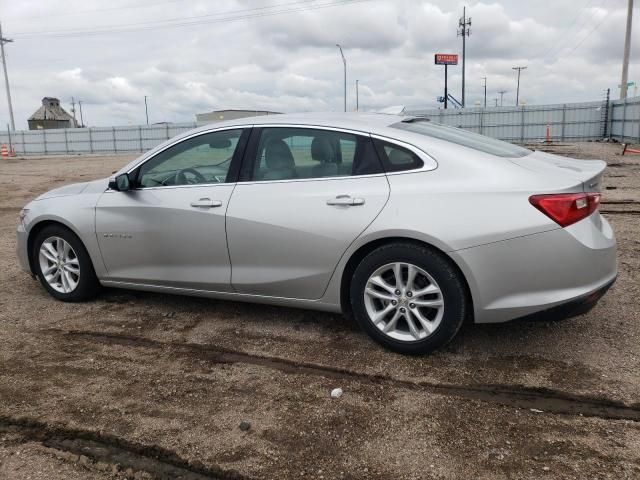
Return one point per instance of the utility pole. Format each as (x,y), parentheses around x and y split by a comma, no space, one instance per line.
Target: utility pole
(519,69)
(501,92)
(6,77)
(146,110)
(81,119)
(485,91)
(73,110)
(344,61)
(357,99)
(464,23)
(627,48)
(496,100)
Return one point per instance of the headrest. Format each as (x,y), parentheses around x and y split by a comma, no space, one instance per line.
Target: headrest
(322,150)
(277,155)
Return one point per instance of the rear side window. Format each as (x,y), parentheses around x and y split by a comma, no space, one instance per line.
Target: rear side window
(284,153)
(396,158)
(462,137)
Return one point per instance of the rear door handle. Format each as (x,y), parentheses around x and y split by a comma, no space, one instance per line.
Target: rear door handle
(345,200)
(206,203)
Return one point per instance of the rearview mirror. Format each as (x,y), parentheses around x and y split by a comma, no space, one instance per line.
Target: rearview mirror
(120,183)
(220,143)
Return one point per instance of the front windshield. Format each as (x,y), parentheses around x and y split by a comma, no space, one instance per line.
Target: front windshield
(465,138)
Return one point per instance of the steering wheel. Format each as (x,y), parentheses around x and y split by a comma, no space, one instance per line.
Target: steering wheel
(194,178)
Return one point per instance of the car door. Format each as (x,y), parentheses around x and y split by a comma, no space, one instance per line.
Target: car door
(169,230)
(306,194)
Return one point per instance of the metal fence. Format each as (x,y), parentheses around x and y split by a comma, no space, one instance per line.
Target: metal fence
(616,119)
(92,140)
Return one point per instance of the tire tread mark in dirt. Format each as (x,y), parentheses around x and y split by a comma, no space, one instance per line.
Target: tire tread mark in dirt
(545,399)
(620,212)
(99,447)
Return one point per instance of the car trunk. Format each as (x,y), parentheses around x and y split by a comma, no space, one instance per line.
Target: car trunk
(587,173)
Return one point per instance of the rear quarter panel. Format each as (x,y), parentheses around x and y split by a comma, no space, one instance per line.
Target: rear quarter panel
(470,199)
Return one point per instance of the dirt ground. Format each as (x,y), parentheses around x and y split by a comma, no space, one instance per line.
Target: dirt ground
(141,385)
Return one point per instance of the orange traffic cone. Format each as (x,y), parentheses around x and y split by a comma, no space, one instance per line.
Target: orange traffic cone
(3,151)
(12,153)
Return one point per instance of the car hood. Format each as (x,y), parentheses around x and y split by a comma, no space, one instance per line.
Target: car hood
(76,189)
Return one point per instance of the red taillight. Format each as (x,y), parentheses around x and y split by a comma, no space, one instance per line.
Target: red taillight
(566,208)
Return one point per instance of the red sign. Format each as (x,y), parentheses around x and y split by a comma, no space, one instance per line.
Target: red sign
(446,59)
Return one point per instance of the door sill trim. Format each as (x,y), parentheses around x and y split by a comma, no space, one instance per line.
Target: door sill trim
(233,296)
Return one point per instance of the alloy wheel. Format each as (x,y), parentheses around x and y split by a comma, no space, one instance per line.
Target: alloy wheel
(59,264)
(403,301)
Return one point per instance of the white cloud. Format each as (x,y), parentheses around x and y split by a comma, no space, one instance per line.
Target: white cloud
(289,62)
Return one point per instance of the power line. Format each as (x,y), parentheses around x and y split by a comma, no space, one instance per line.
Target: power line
(98,10)
(596,27)
(192,17)
(566,30)
(180,21)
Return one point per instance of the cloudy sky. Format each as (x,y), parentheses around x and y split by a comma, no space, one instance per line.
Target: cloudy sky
(192,56)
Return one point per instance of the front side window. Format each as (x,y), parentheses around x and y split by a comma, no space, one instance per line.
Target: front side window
(304,153)
(202,159)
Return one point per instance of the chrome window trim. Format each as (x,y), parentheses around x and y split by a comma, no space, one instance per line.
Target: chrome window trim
(429,162)
(165,187)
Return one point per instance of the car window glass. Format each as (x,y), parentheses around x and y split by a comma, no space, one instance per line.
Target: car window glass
(396,158)
(465,138)
(288,153)
(299,153)
(197,160)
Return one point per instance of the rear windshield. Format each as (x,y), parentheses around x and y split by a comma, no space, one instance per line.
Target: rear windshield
(464,138)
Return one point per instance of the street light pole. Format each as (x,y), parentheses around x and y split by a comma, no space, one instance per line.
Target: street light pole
(6,77)
(344,62)
(146,110)
(357,99)
(519,69)
(501,92)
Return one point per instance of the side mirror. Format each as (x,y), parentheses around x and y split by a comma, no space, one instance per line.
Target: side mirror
(120,183)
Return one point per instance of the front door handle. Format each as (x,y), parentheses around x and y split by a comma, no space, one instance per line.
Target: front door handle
(345,200)
(206,203)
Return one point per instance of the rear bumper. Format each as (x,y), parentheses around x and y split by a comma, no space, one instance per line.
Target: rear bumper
(538,273)
(572,308)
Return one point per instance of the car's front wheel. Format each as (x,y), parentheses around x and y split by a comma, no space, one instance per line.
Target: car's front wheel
(408,297)
(63,265)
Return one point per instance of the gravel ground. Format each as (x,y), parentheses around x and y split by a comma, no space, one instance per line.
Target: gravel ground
(141,385)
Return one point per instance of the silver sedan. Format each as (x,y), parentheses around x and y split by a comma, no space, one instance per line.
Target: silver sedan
(409,226)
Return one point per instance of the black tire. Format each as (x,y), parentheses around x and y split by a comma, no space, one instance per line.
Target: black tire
(440,268)
(87,285)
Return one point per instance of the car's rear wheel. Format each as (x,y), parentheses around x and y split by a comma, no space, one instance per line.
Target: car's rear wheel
(63,265)
(408,297)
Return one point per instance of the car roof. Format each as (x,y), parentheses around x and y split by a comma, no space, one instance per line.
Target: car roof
(358,121)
